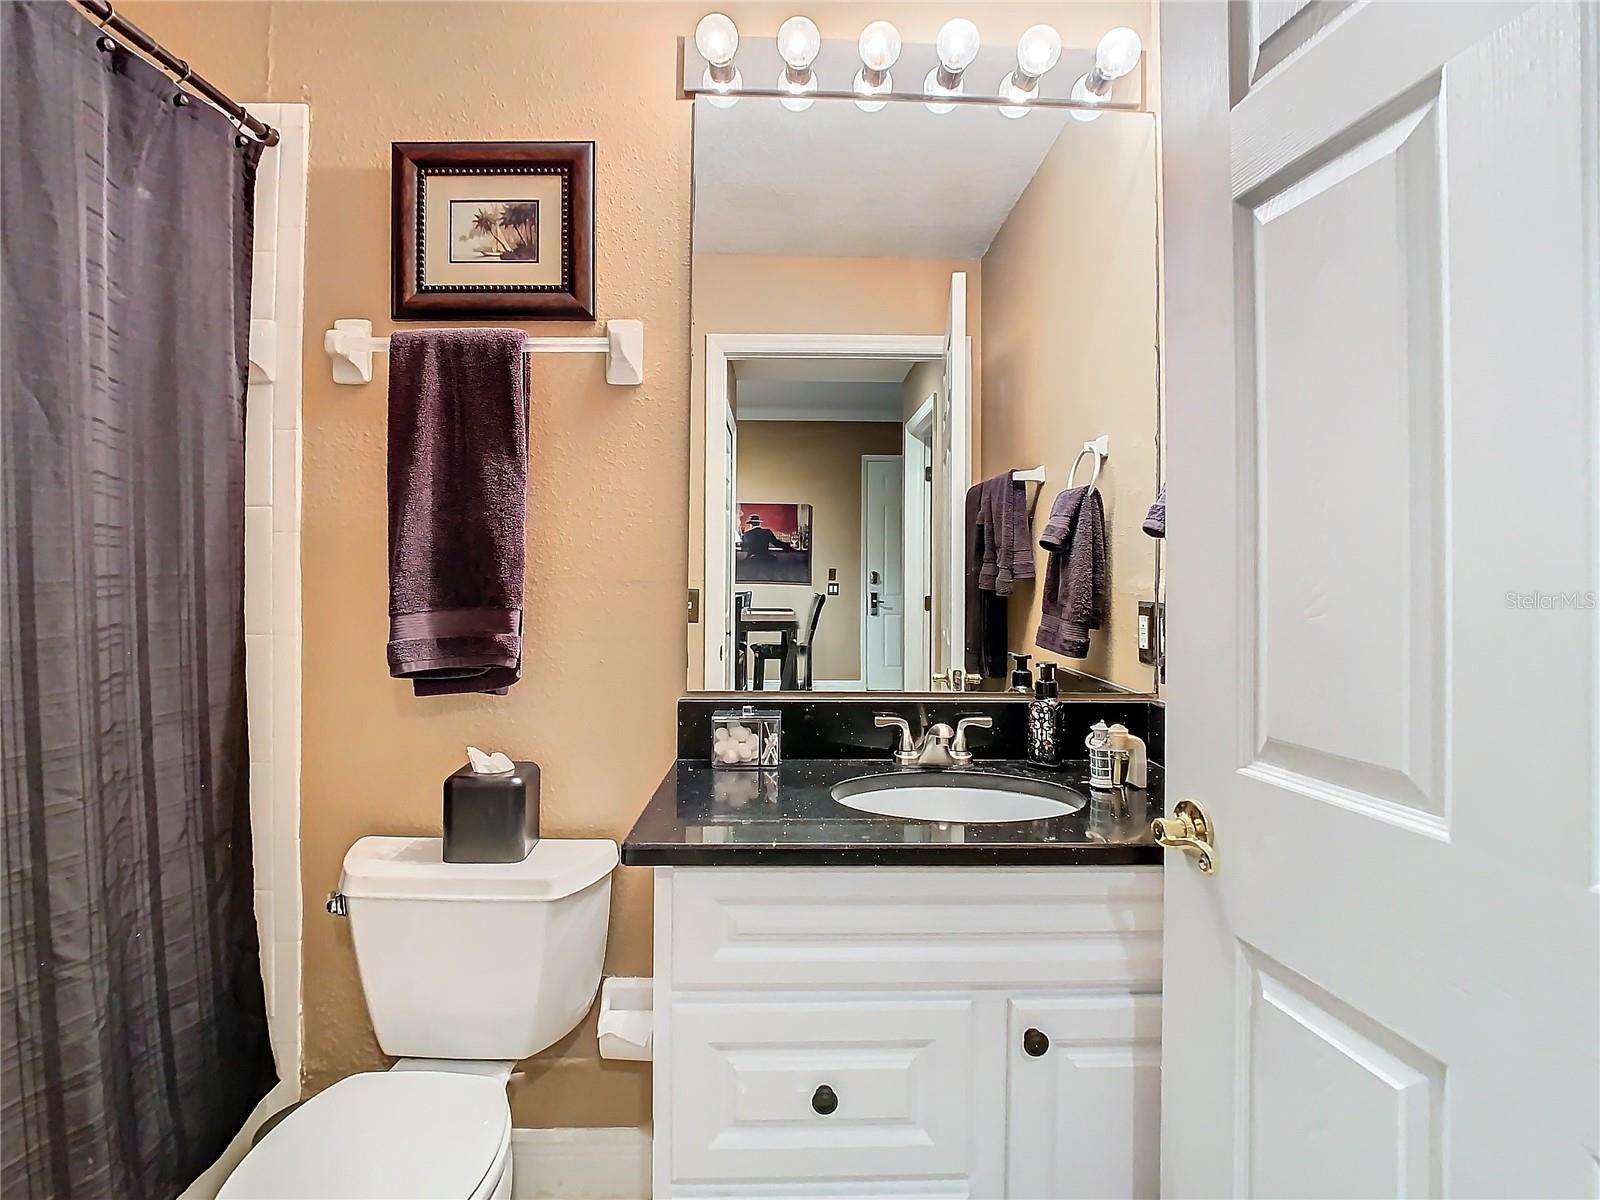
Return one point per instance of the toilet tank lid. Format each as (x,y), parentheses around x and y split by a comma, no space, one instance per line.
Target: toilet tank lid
(413,868)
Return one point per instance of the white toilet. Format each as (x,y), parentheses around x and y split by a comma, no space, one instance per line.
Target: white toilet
(467,968)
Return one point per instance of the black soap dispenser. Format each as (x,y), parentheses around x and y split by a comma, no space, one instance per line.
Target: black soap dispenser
(1044,719)
(1021,676)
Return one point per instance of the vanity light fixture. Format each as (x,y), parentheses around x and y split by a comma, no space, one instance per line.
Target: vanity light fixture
(1038,50)
(957,46)
(716,37)
(1116,55)
(799,41)
(880,50)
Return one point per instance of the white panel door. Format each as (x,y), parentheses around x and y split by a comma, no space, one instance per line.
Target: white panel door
(1380,255)
(883,606)
(952,475)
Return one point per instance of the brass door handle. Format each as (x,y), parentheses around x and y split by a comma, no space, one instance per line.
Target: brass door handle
(1187,829)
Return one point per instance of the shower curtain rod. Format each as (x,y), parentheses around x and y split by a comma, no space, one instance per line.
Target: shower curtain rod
(104,14)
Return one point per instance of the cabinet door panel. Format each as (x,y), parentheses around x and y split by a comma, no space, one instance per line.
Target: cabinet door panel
(1084,1116)
(747,1099)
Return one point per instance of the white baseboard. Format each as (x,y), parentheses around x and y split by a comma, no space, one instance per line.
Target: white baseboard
(837,685)
(580,1164)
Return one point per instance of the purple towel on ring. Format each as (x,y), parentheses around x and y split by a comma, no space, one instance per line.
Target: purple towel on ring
(458,476)
(1005,534)
(1076,580)
(1155,521)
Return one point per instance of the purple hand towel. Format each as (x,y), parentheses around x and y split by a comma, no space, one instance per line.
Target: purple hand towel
(1076,583)
(1005,541)
(458,476)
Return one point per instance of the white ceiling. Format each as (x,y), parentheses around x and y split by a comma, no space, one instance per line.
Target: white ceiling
(819,389)
(824,370)
(835,181)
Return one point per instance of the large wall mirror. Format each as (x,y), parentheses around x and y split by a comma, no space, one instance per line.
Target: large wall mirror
(892,310)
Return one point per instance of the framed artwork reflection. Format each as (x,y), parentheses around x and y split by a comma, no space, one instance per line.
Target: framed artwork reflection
(774,544)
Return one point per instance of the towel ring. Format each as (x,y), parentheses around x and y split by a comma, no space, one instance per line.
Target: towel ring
(1094,476)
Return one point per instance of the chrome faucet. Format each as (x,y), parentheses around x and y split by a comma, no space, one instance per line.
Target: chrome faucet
(939,747)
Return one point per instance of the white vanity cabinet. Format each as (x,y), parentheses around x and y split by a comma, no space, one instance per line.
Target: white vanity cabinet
(875,1031)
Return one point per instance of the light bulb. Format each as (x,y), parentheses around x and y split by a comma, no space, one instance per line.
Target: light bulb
(798,42)
(716,38)
(879,46)
(957,45)
(932,87)
(1038,50)
(1082,94)
(1118,53)
(718,92)
(884,85)
(1017,99)
(796,96)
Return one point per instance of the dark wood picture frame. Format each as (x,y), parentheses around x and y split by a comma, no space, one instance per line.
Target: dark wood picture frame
(570,300)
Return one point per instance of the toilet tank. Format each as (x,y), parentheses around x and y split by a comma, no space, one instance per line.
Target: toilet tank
(477,960)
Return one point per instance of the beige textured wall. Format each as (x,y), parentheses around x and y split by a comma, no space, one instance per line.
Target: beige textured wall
(608,466)
(603,459)
(1069,318)
(736,293)
(818,463)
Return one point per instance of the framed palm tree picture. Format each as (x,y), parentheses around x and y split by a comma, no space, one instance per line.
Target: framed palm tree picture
(493,229)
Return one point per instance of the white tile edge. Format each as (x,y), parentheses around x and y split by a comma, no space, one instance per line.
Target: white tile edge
(278,865)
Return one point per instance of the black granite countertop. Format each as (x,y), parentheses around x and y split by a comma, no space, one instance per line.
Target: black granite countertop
(701,816)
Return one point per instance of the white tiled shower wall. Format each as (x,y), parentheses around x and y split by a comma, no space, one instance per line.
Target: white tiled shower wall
(272,566)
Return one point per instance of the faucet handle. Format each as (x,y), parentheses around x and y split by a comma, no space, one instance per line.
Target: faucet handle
(959,751)
(907,750)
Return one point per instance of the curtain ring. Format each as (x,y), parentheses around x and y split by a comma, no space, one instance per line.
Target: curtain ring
(105,43)
(181,100)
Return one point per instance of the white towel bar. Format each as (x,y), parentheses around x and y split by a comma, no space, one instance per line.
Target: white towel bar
(351,346)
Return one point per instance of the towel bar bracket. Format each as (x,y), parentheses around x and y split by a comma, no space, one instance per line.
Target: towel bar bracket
(350,345)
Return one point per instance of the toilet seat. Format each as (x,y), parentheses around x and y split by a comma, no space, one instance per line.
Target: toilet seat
(425,1135)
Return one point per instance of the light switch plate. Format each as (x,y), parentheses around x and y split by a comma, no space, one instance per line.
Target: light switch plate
(1150,617)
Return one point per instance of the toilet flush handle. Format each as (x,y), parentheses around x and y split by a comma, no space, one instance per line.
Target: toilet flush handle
(336,905)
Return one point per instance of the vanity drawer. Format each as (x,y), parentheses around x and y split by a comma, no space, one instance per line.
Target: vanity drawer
(936,927)
(824,1090)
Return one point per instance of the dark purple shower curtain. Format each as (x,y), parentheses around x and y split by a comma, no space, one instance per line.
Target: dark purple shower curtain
(134,1027)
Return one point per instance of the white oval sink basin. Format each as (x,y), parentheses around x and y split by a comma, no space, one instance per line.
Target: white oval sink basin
(957,797)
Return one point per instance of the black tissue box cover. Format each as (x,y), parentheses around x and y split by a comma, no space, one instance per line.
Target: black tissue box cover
(491,818)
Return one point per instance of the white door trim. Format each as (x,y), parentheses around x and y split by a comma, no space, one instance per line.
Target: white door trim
(917,543)
(721,349)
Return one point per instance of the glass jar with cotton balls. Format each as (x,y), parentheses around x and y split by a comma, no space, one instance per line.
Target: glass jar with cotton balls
(745,737)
